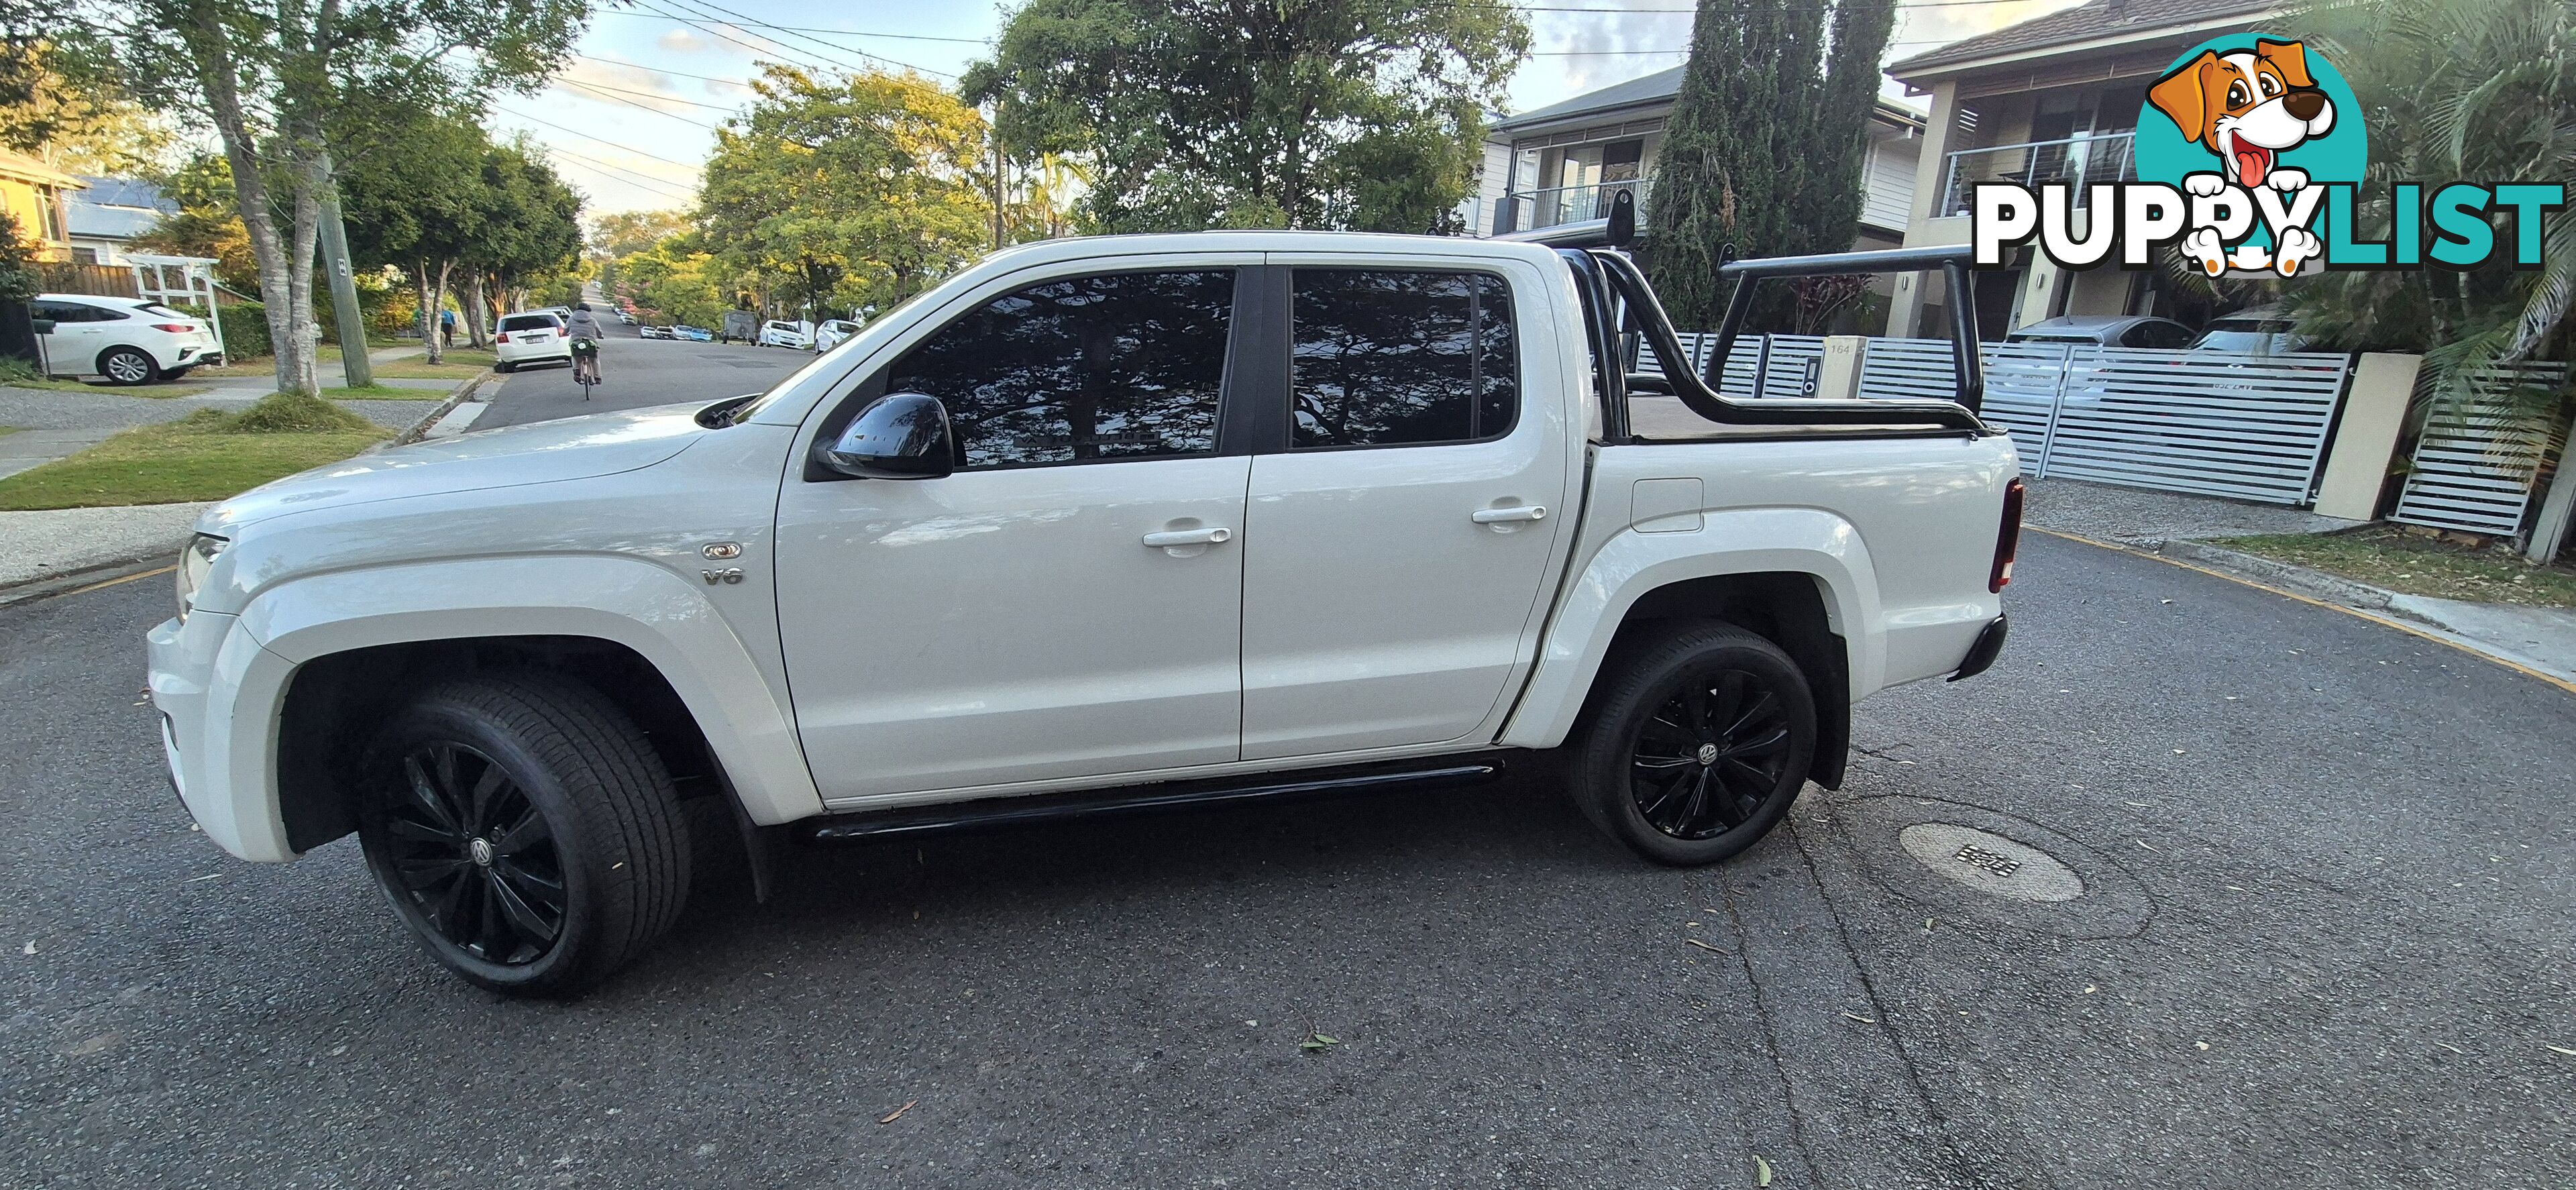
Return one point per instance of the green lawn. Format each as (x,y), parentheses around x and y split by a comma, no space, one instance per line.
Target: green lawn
(2385,556)
(154,391)
(207,456)
(458,364)
(381,392)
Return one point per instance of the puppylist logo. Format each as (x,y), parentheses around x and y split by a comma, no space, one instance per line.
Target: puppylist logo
(2249,155)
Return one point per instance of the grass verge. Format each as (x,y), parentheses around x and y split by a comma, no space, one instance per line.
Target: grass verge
(2391,558)
(380,392)
(149,391)
(208,455)
(457,363)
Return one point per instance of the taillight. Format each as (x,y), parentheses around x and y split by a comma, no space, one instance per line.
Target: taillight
(176,328)
(2007,537)
(503,337)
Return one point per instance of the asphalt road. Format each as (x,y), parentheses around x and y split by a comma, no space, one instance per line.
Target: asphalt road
(2336,855)
(635,373)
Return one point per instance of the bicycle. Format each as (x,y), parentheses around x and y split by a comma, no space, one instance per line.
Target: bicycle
(585,365)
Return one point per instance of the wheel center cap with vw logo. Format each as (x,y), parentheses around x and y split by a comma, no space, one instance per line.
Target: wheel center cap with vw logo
(1708,754)
(481,850)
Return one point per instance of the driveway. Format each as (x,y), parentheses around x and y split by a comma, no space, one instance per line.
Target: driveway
(2327,910)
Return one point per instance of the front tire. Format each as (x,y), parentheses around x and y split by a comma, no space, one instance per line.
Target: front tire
(126,367)
(525,831)
(1700,739)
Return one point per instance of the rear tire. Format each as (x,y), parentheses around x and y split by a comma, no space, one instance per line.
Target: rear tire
(1699,739)
(525,831)
(504,366)
(126,367)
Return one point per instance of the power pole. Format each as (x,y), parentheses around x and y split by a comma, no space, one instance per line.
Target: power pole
(356,371)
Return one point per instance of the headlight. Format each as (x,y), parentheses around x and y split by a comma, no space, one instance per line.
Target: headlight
(194,562)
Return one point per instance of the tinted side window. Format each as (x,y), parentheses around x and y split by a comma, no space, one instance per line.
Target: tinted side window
(1122,366)
(1386,357)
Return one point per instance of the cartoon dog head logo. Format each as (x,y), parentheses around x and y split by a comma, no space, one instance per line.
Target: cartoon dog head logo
(2248,107)
(2258,119)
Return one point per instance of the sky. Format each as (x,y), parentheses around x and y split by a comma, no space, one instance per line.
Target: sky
(635,109)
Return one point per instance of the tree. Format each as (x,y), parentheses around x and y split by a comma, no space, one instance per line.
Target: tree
(414,201)
(279,80)
(1196,113)
(529,232)
(869,179)
(2475,89)
(1764,146)
(207,224)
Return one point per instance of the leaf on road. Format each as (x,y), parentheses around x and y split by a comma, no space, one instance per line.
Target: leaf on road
(1862,1019)
(1317,1042)
(1761,1171)
(30,949)
(2560,1049)
(897,1114)
(1705,946)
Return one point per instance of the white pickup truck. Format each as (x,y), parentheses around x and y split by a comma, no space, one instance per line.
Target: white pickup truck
(1098,524)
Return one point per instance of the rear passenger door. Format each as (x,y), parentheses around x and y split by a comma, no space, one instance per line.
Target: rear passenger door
(1403,523)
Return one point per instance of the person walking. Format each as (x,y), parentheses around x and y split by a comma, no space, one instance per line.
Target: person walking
(447,328)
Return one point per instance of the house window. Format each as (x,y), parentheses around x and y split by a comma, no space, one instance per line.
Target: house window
(84,256)
(49,214)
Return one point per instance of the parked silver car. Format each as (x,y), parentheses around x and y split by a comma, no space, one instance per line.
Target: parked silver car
(2105,330)
(2260,330)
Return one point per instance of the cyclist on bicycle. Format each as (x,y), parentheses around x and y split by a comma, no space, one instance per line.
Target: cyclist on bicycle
(584,330)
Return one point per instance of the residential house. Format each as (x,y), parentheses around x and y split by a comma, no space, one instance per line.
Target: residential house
(1563,163)
(2054,98)
(107,216)
(32,192)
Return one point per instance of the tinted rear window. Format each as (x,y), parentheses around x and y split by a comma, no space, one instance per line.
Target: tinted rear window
(1401,357)
(528,322)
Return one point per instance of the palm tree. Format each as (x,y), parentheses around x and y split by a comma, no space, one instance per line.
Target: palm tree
(2479,90)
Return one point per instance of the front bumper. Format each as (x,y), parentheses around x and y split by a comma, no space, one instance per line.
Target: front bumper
(218,693)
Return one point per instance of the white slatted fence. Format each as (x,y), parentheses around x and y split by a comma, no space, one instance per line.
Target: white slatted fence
(2475,464)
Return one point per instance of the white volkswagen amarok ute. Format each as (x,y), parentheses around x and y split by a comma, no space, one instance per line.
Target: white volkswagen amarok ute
(1098,524)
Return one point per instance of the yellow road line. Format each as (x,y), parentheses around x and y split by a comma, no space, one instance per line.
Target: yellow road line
(111,582)
(2356,613)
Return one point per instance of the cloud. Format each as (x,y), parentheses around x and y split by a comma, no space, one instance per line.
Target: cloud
(620,82)
(682,41)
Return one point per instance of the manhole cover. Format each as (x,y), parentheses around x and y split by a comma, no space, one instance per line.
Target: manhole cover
(1990,863)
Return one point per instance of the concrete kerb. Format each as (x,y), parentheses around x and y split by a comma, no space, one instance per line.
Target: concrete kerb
(419,429)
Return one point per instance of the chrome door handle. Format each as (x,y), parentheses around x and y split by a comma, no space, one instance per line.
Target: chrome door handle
(1497,516)
(1213,535)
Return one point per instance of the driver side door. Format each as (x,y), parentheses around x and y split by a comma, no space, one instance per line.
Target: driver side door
(1018,620)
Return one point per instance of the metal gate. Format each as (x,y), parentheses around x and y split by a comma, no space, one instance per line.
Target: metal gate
(2476,463)
(2247,427)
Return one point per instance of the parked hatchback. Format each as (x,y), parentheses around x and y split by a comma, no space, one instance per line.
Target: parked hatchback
(2105,330)
(833,333)
(530,337)
(785,334)
(123,339)
(2260,330)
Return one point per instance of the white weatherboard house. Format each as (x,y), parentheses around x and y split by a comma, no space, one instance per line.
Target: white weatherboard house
(1562,163)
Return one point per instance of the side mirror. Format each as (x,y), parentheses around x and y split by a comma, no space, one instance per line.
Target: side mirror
(898,436)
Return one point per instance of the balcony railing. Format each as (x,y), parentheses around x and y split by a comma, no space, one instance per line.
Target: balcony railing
(1528,209)
(2080,161)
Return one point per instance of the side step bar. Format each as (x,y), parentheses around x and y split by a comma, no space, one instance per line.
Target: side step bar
(1039,809)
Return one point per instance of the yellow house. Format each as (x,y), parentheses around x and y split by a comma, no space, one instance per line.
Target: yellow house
(32,193)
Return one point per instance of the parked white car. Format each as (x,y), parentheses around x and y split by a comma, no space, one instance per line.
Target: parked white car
(1097,525)
(786,334)
(125,340)
(833,333)
(530,337)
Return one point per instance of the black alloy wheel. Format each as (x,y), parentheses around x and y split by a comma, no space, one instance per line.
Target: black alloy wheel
(524,829)
(1706,760)
(1698,737)
(475,855)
